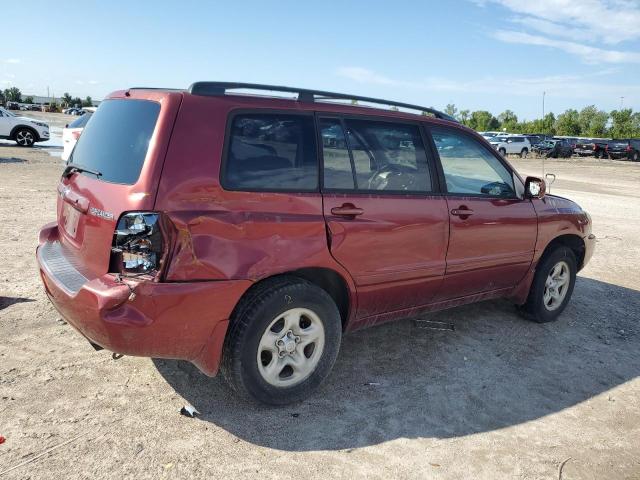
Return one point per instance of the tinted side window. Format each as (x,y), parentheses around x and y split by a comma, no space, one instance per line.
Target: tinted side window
(271,152)
(80,122)
(469,168)
(388,156)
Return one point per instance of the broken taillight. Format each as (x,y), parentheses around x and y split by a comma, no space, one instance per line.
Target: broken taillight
(138,243)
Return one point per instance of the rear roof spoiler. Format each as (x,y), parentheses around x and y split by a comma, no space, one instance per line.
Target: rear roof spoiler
(215,89)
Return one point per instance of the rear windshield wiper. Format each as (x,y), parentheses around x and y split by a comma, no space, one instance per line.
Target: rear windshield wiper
(74,167)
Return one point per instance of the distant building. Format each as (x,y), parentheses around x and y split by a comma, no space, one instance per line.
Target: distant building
(41,100)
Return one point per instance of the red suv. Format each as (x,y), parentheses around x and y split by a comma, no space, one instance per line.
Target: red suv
(247,233)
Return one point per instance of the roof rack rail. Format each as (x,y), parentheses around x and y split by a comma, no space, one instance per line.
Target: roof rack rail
(304,95)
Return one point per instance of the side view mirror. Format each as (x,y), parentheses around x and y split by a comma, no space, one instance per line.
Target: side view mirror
(534,187)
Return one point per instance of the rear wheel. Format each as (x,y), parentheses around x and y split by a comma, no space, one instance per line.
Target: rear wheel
(24,137)
(282,342)
(502,152)
(552,286)
(524,153)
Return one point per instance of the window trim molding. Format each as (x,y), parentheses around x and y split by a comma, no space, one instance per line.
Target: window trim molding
(265,111)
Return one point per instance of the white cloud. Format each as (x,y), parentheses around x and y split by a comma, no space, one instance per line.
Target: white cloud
(579,28)
(588,53)
(12,60)
(609,21)
(565,85)
(93,82)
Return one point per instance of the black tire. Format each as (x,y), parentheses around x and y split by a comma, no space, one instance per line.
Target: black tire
(24,137)
(502,152)
(251,318)
(524,153)
(535,309)
(635,156)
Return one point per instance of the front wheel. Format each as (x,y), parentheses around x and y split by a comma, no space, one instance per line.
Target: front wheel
(24,137)
(524,153)
(502,152)
(552,286)
(282,342)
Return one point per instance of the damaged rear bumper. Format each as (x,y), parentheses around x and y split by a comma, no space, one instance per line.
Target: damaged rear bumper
(186,321)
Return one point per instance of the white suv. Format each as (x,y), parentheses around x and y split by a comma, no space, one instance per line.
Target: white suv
(508,144)
(24,130)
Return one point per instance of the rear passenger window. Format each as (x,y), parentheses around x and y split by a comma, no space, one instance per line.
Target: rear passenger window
(377,156)
(271,152)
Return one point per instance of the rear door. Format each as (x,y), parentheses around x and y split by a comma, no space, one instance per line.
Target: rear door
(387,223)
(126,143)
(493,229)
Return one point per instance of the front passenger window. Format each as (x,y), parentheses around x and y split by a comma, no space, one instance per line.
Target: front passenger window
(469,168)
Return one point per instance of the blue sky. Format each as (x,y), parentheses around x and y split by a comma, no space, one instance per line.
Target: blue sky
(478,54)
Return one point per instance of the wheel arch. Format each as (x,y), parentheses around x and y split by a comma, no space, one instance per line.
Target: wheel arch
(572,241)
(15,129)
(327,279)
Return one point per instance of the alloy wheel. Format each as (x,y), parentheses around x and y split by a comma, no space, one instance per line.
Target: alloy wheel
(556,286)
(24,138)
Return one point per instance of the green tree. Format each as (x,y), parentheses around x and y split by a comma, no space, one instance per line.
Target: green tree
(463,117)
(567,123)
(76,102)
(593,122)
(13,94)
(622,123)
(28,99)
(66,99)
(1,97)
(482,120)
(547,125)
(508,120)
(87,102)
(451,110)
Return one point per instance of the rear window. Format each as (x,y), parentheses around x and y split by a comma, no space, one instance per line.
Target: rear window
(271,152)
(116,141)
(80,122)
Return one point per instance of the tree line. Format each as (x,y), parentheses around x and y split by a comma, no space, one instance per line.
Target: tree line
(588,122)
(14,94)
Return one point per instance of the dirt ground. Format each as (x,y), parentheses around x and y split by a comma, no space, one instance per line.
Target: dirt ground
(497,398)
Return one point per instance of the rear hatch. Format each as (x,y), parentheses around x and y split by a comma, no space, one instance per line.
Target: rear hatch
(126,142)
(618,146)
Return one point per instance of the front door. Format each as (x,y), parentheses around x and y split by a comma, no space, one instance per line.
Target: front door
(493,229)
(386,225)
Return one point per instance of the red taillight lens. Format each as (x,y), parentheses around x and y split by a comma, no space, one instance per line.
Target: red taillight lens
(628,149)
(76,134)
(138,244)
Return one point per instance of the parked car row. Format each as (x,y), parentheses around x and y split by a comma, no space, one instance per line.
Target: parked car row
(563,147)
